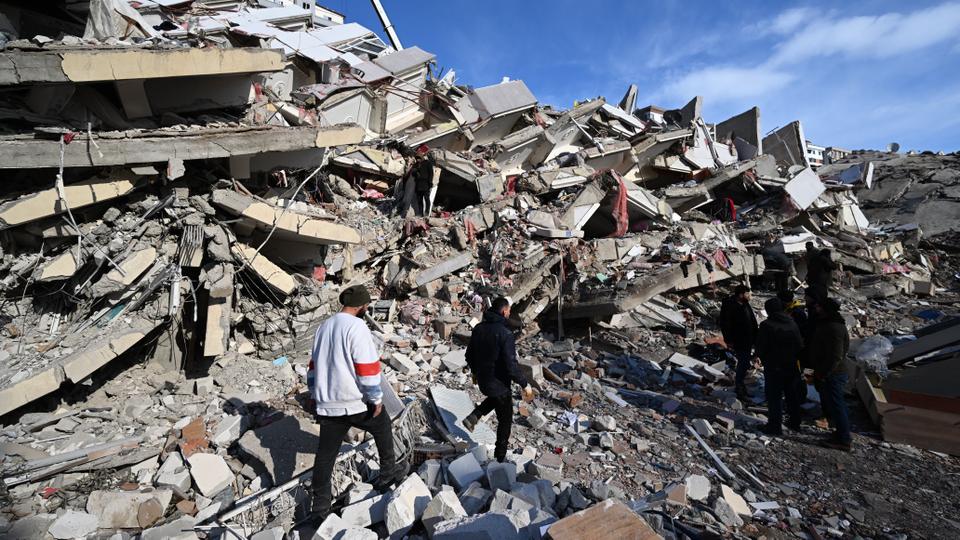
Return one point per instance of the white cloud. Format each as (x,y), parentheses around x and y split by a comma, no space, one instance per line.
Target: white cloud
(727,83)
(791,19)
(880,36)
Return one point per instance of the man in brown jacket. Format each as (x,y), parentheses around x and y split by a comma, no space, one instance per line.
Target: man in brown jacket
(826,352)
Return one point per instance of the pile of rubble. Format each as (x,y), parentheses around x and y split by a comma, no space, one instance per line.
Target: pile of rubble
(190,184)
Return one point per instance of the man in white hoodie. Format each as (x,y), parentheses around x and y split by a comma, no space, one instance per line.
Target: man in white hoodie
(346,387)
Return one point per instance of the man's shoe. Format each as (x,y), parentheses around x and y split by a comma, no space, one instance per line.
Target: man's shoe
(794,426)
(387,480)
(774,431)
(470,422)
(833,443)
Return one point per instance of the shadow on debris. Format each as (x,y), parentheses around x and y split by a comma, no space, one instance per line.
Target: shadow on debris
(279,445)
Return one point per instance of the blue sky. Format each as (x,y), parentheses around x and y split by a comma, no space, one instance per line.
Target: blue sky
(857,76)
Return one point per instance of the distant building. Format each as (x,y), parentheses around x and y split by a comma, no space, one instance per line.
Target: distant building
(835,154)
(323,16)
(815,154)
(650,113)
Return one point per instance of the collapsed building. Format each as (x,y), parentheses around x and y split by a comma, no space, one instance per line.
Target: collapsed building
(189,185)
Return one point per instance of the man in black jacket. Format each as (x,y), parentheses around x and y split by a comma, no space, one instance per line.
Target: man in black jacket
(492,357)
(826,352)
(779,343)
(739,326)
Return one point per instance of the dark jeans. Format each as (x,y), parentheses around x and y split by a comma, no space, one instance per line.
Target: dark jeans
(781,382)
(836,404)
(332,431)
(744,358)
(504,407)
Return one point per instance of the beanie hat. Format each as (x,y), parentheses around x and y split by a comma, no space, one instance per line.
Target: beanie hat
(773,305)
(355,296)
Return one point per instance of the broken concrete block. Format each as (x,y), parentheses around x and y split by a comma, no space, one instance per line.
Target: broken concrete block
(604,423)
(527,492)
(547,496)
(73,524)
(464,470)
(180,529)
(606,440)
(503,501)
(735,501)
(31,526)
(133,266)
(270,273)
(703,427)
(210,473)
(607,519)
(443,507)
(726,514)
(331,528)
(354,533)
(366,512)
(501,475)
(135,406)
(228,430)
(406,505)
(474,498)
(203,386)
(429,472)
(402,363)
(698,487)
(173,473)
(489,526)
(273,533)
(455,361)
(118,509)
(548,467)
(62,266)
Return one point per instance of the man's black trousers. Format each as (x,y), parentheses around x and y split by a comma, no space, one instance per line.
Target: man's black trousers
(503,405)
(332,431)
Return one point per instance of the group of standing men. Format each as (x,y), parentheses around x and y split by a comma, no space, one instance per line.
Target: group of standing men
(346,387)
(346,381)
(792,338)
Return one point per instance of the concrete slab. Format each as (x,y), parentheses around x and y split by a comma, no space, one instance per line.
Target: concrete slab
(454,406)
(119,509)
(366,512)
(272,274)
(283,449)
(288,224)
(607,519)
(406,505)
(210,473)
(464,471)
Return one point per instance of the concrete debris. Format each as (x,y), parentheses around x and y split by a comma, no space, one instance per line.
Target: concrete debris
(188,187)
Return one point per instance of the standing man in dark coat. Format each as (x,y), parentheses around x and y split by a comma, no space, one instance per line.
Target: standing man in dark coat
(739,326)
(492,357)
(826,352)
(422,175)
(778,345)
(798,312)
